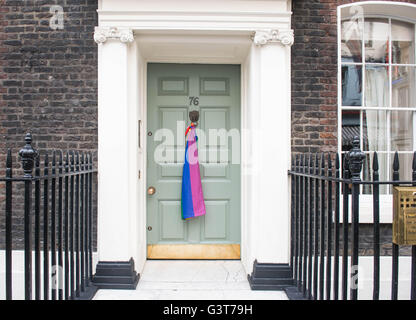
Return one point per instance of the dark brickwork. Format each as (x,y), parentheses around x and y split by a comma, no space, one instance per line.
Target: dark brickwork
(314,75)
(48,79)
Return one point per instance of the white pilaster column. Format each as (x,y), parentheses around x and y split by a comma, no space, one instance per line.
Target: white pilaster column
(272,213)
(113,168)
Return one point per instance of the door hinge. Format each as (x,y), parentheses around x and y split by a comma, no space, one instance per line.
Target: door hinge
(140,174)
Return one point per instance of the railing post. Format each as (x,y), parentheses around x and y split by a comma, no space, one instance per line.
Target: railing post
(292,212)
(311,215)
(301,214)
(322,231)
(77,235)
(329,232)
(46,229)
(27,155)
(336,228)
(305,225)
(395,247)
(90,218)
(296,221)
(376,222)
(37,231)
(82,222)
(71,226)
(316,234)
(53,225)
(345,208)
(9,222)
(59,274)
(356,157)
(66,228)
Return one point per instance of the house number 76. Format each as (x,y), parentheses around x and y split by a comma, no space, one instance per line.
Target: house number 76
(193,101)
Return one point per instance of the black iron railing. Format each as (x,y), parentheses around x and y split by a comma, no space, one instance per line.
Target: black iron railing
(321,191)
(58,221)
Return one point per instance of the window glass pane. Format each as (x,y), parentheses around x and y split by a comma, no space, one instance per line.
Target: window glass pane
(401,131)
(351,41)
(403,42)
(351,85)
(368,172)
(350,128)
(377,86)
(376,40)
(374,130)
(403,87)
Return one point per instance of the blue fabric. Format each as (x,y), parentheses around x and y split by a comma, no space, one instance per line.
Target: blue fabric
(186,203)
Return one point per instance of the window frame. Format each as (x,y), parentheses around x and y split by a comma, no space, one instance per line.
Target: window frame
(366,200)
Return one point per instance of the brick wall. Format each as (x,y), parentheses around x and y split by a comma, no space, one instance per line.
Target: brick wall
(48,77)
(48,81)
(314,75)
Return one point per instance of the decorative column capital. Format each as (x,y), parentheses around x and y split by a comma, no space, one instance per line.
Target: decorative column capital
(283,36)
(102,34)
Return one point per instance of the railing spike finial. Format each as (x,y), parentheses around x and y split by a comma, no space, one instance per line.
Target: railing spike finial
(329,161)
(337,161)
(37,161)
(375,161)
(345,163)
(9,159)
(27,155)
(414,162)
(46,160)
(356,157)
(297,163)
(71,160)
(396,164)
(305,162)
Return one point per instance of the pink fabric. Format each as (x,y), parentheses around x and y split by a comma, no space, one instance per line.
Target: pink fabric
(195,175)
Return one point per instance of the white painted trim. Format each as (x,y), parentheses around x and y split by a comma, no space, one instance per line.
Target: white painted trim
(224,15)
(181,36)
(402,10)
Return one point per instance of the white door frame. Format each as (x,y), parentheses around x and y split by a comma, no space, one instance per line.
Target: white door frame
(260,41)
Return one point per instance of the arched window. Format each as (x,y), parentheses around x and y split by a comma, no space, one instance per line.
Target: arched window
(377,83)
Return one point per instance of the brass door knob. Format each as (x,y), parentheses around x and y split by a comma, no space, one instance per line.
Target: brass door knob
(151,190)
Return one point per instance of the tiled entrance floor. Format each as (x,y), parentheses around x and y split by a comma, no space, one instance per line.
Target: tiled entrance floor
(191,280)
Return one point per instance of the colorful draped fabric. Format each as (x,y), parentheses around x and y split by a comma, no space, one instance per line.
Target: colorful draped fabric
(193,204)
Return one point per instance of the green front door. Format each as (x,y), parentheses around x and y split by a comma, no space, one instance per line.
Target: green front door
(173,90)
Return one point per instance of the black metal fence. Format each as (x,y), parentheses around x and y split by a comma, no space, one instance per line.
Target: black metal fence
(321,190)
(58,220)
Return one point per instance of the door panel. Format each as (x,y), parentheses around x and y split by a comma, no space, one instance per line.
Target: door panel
(170,87)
